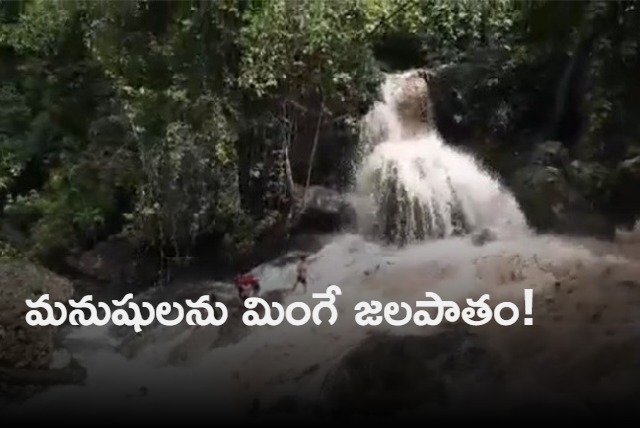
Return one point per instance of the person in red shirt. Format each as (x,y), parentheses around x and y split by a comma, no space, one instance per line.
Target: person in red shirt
(247,286)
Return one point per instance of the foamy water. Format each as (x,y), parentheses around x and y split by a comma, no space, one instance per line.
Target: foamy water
(270,362)
(404,155)
(441,177)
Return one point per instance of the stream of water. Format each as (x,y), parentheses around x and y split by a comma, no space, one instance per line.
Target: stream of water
(411,188)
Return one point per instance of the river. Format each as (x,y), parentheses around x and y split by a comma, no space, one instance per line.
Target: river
(230,370)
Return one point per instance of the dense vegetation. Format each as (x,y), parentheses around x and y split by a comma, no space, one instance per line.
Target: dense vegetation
(177,123)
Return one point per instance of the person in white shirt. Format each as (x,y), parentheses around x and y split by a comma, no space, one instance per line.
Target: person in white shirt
(302,274)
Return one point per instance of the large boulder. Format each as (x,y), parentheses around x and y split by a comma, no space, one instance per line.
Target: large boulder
(322,210)
(580,357)
(561,195)
(413,105)
(552,204)
(550,153)
(469,101)
(591,179)
(386,375)
(189,344)
(629,238)
(13,236)
(453,117)
(115,262)
(23,346)
(631,167)
(622,191)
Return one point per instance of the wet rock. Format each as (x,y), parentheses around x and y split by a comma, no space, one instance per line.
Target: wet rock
(323,210)
(141,392)
(471,109)
(271,296)
(286,404)
(591,179)
(12,235)
(73,374)
(630,283)
(623,190)
(550,153)
(255,407)
(628,237)
(483,236)
(372,271)
(202,339)
(449,89)
(115,262)
(413,105)
(631,167)
(552,204)
(60,359)
(539,189)
(24,346)
(386,375)
(595,194)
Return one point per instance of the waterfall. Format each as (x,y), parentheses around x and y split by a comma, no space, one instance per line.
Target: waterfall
(412,186)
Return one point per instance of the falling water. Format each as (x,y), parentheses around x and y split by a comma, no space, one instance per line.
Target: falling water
(408,182)
(412,186)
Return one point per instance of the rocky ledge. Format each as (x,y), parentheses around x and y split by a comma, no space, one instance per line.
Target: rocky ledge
(28,355)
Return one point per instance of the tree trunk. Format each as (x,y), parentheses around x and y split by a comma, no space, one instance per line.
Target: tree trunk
(311,159)
(290,184)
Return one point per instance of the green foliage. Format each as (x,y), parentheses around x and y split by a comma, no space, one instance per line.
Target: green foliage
(181,114)
(155,116)
(72,207)
(445,31)
(14,117)
(607,31)
(307,48)
(38,27)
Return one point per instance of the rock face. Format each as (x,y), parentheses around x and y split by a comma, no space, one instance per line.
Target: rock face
(580,356)
(199,341)
(483,236)
(12,235)
(552,204)
(631,167)
(550,153)
(624,189)
(413,106)
(323,210)
(24,346)
(115,262)
(554,193)
(593,189)
(455,115)
(386,375)
(629,237)
(574,196)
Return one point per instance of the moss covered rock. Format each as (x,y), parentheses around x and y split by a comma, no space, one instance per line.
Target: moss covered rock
(24,346)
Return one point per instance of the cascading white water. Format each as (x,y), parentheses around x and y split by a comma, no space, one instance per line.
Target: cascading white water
(271,362)
(410,185)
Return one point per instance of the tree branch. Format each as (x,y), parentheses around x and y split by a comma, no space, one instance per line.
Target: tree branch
(324,109)
(311,159)
(384,20)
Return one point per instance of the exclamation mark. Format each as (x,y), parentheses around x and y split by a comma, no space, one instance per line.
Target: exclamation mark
(528,306)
